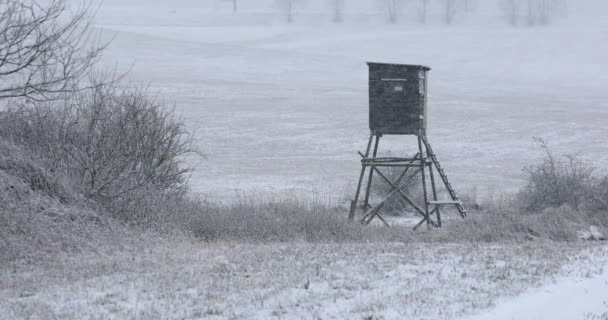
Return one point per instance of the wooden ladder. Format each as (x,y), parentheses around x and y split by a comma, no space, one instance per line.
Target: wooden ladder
(455,199)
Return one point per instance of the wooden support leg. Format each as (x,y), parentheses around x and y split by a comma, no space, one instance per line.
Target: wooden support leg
(423,173)
(371,174)
(434,189)
(353,205)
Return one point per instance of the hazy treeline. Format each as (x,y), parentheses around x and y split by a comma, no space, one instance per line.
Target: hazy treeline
(513,12)
(532,12)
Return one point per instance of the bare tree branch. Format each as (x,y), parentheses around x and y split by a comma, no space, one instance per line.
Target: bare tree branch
(45,50)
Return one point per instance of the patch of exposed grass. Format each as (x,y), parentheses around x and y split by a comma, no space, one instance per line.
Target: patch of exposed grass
(258,220)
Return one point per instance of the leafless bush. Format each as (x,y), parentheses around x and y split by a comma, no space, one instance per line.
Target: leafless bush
(19,165)
(44,50)
(599,195)
(556,182)
(118,144)
(40,218)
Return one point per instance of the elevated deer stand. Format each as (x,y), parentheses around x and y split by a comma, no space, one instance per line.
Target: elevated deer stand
(398,106)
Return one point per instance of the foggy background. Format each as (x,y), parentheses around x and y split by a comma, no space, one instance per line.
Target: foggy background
(282,106)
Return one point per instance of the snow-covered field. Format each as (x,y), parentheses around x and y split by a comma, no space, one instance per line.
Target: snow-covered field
(315,281)
(284,107)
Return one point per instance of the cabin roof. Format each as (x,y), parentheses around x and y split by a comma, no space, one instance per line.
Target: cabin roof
(398,64)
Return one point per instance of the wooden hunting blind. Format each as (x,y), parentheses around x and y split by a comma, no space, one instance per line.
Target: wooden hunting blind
(398,106)
(397,98)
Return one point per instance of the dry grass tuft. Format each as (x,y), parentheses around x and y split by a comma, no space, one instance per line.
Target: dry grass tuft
(259,220)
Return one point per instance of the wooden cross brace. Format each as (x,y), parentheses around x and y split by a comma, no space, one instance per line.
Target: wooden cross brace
(374,212)
(370,214)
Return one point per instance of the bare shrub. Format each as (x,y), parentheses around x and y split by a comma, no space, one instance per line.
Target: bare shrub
(31,175)
(599,195)
(40,218)
(44,50)
(556,182)
(117,144)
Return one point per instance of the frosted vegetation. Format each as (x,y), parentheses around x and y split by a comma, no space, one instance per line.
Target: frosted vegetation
(216,189)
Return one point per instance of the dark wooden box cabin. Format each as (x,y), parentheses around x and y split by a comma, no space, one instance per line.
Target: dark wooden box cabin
(397,98)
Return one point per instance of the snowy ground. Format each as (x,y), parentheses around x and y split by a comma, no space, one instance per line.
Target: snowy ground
(280,107)
(567,298)
(308,281)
